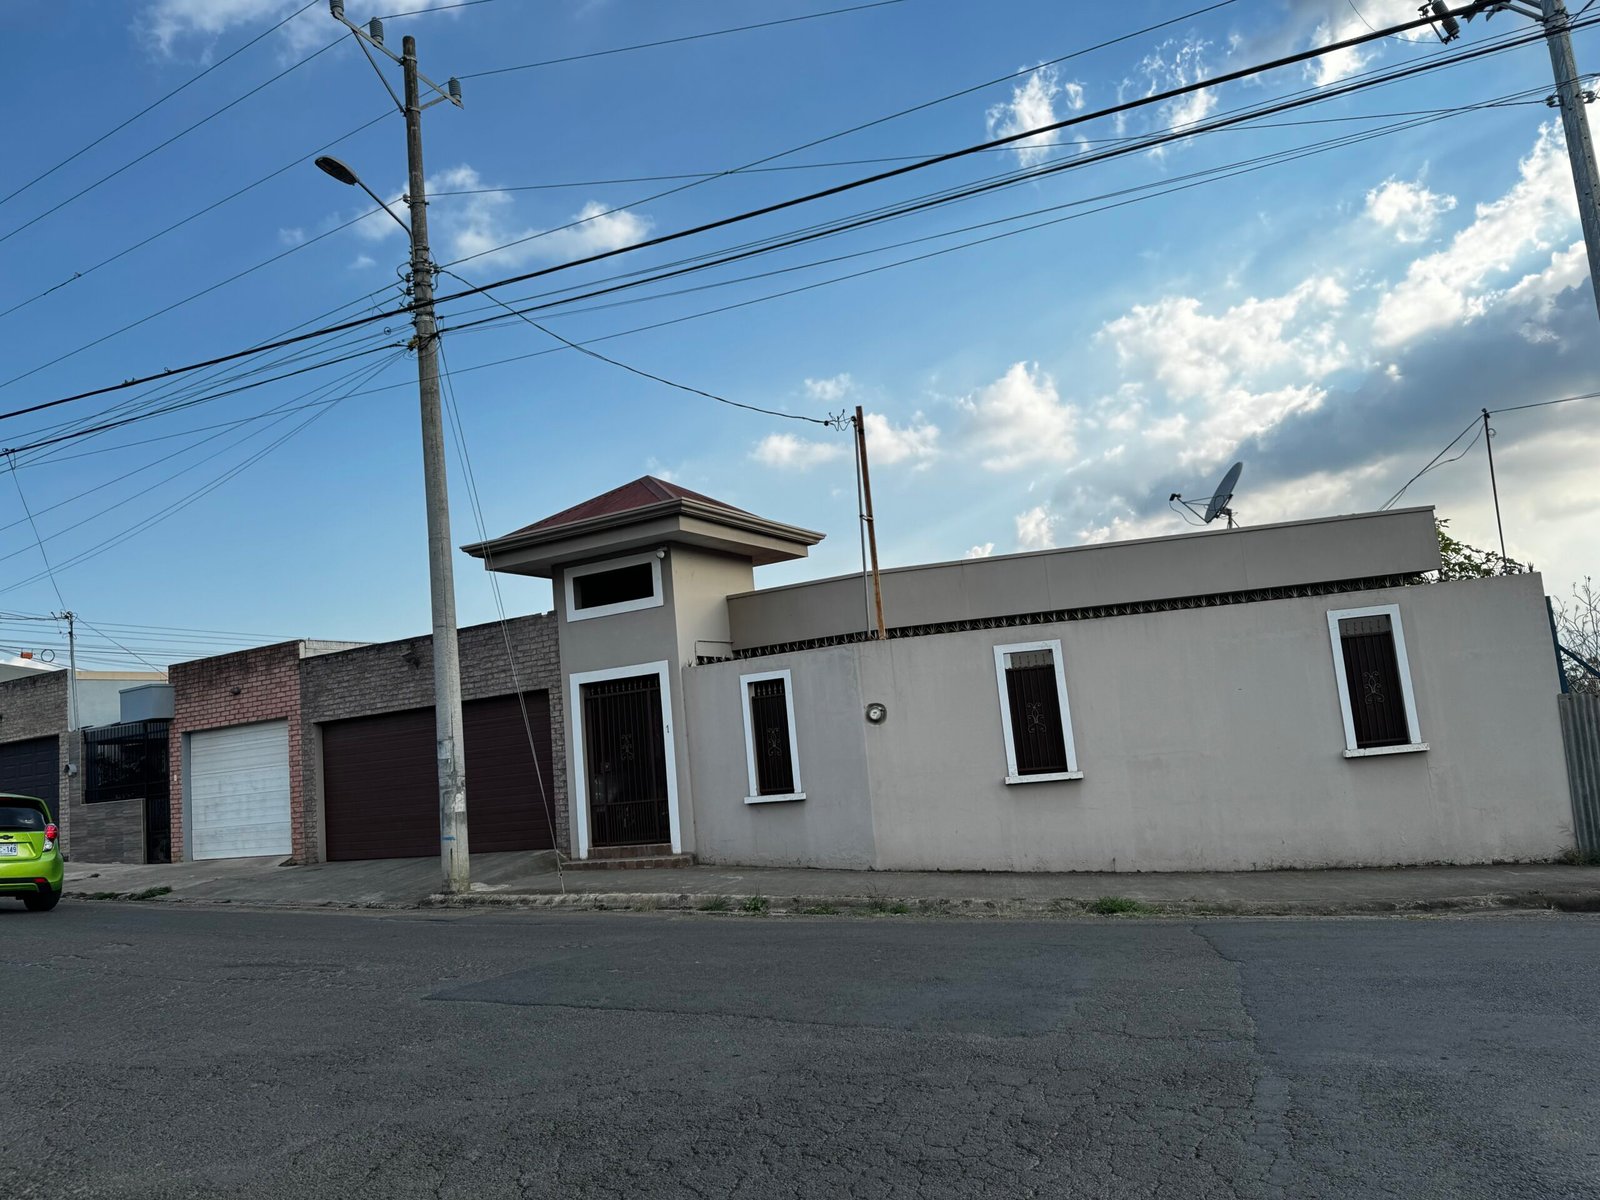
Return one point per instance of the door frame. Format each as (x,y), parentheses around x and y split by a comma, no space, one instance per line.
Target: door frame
(580,789)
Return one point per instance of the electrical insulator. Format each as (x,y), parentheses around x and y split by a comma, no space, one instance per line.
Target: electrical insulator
(336,7)
(375,30)
(454,87)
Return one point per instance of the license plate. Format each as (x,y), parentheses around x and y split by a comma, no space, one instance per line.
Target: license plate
(9,850)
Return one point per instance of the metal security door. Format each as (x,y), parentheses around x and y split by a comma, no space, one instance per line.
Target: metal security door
(625,762)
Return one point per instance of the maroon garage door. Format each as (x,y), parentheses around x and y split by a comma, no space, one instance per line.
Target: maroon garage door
(380,790)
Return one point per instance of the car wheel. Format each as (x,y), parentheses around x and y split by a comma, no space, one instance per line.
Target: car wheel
(43,902)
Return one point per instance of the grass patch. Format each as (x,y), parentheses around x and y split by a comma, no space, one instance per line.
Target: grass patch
(754,904)
(150,893)
(883,907)
(1579,858)
(1111,906)
(715,904)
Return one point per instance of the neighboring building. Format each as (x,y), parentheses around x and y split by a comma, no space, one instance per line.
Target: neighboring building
(1286,695)
(319,751)
(41,756)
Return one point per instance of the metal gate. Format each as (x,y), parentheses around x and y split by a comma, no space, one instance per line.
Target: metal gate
(1580,731)
(625,761)
(129,762)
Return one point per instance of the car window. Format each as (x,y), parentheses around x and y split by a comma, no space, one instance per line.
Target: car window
(20,820)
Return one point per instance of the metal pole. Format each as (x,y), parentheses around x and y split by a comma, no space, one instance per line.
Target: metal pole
(1488,442)
(1580,147)
(453,847)
(872,526)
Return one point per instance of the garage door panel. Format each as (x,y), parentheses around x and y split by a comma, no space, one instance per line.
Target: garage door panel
(238,805)
(380,791)
(32,768)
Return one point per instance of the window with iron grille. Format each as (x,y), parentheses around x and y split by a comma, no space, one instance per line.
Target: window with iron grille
(1034,713)
(1374,677)
(774,770)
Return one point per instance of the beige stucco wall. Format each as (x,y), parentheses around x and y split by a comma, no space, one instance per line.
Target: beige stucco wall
(1209,739)
(695,584)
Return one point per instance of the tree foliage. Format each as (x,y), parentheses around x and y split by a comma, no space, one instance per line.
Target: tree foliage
(1578,629)
(1458,560)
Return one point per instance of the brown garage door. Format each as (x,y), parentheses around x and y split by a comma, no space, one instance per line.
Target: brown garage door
(380,794)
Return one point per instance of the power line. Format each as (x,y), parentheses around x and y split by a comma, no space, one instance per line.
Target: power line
(691,37)
(1125,106)
(878,216)
(831,422)
(868,124)
(84,191)
(199,493)
(155,104)
(49,570)
(179,224)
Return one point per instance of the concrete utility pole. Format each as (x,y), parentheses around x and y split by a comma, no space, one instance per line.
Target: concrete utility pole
(1570,99)
(71,618)
(454,849)
(870,518)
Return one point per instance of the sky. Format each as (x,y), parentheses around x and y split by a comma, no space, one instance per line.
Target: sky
(1328,294)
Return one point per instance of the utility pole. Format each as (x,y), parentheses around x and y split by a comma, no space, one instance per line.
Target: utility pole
(872,526)
(453,845)
(1570,98)
(1488,445)
(71,618)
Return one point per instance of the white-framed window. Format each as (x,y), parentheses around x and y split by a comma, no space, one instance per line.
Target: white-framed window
(771,753)
(618,585)
(1034,713)
(1374,677)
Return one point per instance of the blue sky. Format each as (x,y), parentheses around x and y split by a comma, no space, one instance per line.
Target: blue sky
(1332,320)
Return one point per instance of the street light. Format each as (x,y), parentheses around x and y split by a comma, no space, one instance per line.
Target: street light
(332,167)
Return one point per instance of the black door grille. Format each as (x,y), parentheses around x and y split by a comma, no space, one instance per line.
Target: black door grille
(1372,677)
(625,760)
(129,762)
(769,725)
(1036,733)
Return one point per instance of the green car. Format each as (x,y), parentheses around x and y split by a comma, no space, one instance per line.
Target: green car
(30,863)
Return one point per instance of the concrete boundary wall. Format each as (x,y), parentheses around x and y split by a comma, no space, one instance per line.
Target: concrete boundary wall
(1209,739)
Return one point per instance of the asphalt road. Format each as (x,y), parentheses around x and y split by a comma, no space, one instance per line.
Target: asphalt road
(158,1051)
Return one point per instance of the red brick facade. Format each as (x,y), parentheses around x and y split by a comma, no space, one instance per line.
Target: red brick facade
(239,689)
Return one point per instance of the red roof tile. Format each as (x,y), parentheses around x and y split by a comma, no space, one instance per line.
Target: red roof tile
(643,492)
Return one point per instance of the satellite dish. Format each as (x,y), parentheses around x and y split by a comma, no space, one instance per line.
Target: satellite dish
(1223,494)
(1217,505)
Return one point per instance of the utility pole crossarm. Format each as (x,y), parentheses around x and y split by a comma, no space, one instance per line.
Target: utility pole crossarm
(372,36)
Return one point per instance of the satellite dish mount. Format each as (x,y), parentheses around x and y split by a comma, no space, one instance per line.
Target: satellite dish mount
(1217,504)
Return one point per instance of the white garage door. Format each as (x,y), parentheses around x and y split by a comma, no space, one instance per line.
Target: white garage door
(238,793)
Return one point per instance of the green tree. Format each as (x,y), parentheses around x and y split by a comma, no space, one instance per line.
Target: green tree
(1458,560)
(1578,629)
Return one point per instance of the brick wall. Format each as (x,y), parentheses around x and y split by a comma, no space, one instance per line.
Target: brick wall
(394,676)
(35,706)
(239,689)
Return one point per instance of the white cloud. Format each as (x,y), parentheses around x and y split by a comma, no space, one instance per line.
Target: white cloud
(168,26)
(1036,528)
(1456,284)
(831,390)
(1020,419)
(786,452)
(1033,104)
(292,237)
(1236,374)
(982,551)
(361,262)
(481,225)
(1409,210)
(890,444)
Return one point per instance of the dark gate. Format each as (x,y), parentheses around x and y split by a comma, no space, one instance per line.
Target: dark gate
(626,764)
(33,768)
(129,762)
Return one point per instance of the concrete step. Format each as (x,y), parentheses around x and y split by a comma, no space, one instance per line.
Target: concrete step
(633,862)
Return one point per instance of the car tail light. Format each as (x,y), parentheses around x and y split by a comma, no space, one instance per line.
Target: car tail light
(50,837)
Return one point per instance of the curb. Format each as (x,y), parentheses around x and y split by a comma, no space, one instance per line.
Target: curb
(844,905)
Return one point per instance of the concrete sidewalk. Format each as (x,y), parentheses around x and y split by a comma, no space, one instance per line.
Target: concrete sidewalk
(532,879)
